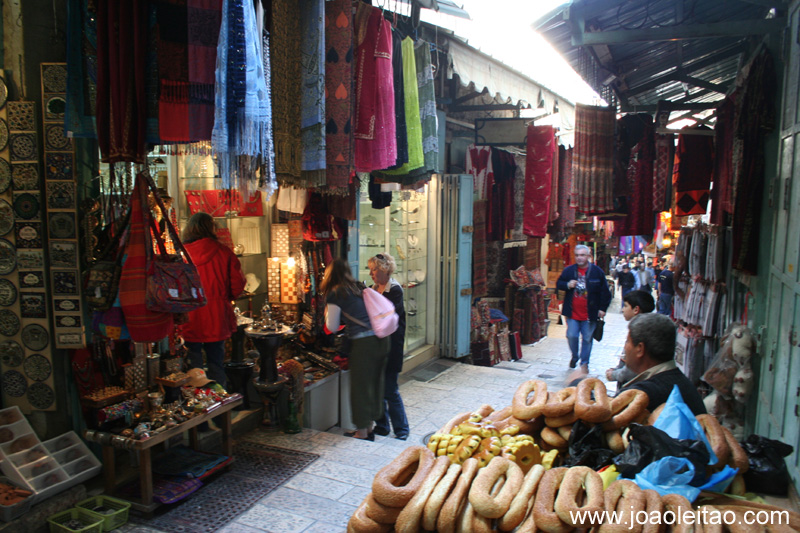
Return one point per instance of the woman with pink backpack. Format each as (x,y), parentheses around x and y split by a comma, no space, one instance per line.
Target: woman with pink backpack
(368,353)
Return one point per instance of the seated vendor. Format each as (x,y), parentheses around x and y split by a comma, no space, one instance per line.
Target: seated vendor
(650,353)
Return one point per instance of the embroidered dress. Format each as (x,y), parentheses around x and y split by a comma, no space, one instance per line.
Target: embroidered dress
(375,141)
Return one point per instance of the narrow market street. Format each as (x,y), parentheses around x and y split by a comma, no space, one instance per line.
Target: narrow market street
(324,496)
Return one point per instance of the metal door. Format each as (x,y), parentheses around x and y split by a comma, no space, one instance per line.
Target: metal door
(779,386)
(456,265)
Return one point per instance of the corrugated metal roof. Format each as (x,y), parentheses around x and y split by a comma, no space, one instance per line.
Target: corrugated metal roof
(710,44)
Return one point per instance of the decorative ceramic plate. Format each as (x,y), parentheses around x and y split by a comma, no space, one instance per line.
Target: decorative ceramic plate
(37,367)
(30,259)
(3,92)
(54,107)
(65,282)
(8,257)
(21,116)
(60,195)
(54,77)
(25,176)
(55,138)
(5,175)
(68,321)
(11,353)
(26,205)
(33,305)
(29,234)
(23,147)
(6,217)
(8,292)
(31,279)
(35,337)
(59,166)
(14,383)
(3,134)
(66,304)
(40,396)
(62,225)
(63,254)
(9,322)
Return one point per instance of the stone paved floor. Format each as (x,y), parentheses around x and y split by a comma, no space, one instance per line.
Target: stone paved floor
(323,497)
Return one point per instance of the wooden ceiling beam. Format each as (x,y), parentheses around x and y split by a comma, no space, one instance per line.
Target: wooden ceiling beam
(734,28)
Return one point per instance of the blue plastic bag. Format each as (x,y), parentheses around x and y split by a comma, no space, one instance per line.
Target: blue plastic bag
(719,481)
(669,475)
(678,421)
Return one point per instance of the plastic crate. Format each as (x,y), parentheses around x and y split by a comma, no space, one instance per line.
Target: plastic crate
(91,524)
(10,512)
(112,520)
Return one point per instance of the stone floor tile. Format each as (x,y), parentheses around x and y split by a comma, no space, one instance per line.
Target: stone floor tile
(236,527)
(274,519)
(319,486)
(339,472)
(323,527)
(309,506)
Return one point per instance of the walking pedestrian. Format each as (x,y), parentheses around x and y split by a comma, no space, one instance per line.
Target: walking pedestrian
(666,290)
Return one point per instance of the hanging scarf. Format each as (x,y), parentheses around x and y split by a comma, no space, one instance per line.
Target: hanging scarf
(286,79)
(243,114)
(339,92)
(313,92)
(81,70)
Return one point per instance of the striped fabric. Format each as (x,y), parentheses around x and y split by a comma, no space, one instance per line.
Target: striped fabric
(592,160)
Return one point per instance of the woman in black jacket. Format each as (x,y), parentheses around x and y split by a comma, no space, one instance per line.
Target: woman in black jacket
(381,268)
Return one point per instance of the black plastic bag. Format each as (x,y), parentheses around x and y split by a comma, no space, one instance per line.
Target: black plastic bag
(767,472)
(598,330)
(588,447)
(649,444)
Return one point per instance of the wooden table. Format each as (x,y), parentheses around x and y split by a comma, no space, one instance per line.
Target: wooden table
(144,448)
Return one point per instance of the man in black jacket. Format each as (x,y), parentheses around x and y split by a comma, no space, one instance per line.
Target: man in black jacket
(587,298)
(650,352)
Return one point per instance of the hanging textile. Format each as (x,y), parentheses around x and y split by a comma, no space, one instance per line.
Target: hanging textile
(541,158)
(517,233)
(630,129)
(286,96)
(401,132)
(662,173)
(694,163)
(554,187)
(122,41)
(533,253)
(592,163)
(479,164)
(186,68)
(723,161)
(79,119)
(413,126)
(566,213)
(339,92)
(479,252)
(313,92)
(375,142)
(500,195)
(243,110)
(427,110)
(756,118)
(640,219)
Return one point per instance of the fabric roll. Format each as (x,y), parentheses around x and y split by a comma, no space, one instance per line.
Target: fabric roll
(339,94)
(541,156)
(312,100)
(592,162)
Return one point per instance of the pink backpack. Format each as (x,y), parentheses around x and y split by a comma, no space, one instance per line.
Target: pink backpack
(382,315)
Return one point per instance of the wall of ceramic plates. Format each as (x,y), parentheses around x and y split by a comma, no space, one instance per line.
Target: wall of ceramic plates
(26,363)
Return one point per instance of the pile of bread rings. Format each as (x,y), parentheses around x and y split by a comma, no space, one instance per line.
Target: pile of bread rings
(498,471)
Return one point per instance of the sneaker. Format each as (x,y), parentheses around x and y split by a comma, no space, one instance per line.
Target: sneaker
(401,437)
(573,362)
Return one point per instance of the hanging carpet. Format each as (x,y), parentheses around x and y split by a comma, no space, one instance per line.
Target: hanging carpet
(592,159)
(694,164)
(541,160)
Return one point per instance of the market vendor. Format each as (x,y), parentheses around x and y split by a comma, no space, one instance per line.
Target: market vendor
(650,353)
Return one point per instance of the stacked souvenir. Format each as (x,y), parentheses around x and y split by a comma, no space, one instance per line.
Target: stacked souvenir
(530,467)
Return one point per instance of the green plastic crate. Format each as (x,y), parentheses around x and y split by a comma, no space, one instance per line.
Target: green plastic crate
(111,520)
(91,524)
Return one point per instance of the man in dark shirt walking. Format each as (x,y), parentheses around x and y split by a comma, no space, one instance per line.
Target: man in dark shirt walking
(666,291)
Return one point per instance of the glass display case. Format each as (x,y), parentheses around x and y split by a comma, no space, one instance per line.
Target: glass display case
(401,230)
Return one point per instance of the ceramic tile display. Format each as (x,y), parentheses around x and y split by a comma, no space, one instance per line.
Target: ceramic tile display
(63,218)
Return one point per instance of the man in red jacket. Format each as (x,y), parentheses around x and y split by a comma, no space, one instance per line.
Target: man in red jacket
(221,275)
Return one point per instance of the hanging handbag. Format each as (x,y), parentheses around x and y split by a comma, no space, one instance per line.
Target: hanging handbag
(101,280)
(173,285)
(598,330)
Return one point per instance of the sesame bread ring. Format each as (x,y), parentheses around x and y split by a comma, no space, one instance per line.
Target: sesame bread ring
(529,524)
(565,432)
(410,518)
(453,422)
(523,501)
(626,498)
(558,421)
(388,487)
(678,505)
(526,455)
(480,493)
(653,507)
(361,523)
(438,496)
(738,458)
(654,415)
(716,437)
(500,414)
(560,404)
(627,407)
(524,408)
(614,441)
(455,502)
(544,513)
(380,513)
(551,437)
(580,483)
(595,410)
